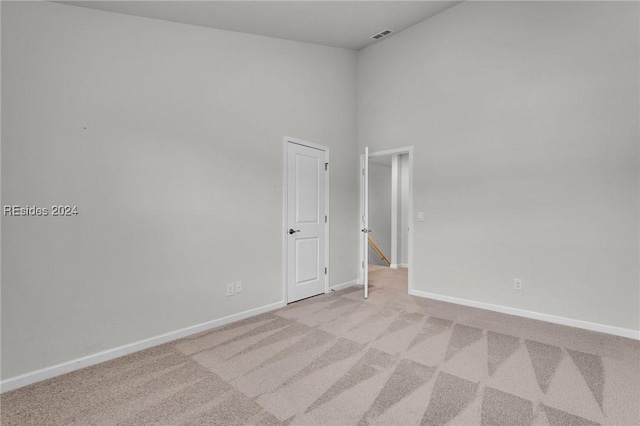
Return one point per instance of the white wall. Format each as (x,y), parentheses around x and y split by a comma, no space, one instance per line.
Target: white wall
(168,138)
(380,207)
(524,118)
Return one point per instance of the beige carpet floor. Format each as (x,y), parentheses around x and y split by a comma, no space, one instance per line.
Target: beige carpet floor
(338,359)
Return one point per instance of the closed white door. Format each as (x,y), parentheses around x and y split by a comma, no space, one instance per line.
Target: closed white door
(306,217)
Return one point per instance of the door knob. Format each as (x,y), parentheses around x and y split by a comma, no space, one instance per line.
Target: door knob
(291,231)
(366,231)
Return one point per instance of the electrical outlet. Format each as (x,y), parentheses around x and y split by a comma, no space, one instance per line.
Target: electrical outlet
(238,286)
(230,289)
(517,284)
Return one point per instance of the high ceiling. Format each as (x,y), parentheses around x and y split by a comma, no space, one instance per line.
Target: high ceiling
(347,24)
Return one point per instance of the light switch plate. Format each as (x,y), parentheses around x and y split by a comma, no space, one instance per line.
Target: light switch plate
(420,216)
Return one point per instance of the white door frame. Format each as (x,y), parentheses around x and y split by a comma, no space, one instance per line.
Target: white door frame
(395,160)
(285,222)
(389,152)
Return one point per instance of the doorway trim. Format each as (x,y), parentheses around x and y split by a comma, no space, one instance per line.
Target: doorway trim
(386,153)
(285,211)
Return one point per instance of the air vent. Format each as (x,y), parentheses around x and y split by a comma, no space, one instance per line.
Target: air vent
(381,34)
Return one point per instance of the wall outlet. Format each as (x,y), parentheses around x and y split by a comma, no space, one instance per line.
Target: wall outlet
(230,289)
(517,284)
(238,286)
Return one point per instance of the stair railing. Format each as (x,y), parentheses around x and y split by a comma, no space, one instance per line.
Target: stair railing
(380,253)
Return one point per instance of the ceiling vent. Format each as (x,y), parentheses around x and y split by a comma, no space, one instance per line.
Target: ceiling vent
(381,34)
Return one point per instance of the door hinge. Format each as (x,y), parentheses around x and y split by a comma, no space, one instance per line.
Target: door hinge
(325,218)
(326,166)
(362,172)
(325,271)
(363,264)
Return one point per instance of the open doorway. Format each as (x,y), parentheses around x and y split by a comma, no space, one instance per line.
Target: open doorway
(380,211)
(386,188)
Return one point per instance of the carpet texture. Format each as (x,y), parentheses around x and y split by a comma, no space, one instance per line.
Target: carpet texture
(338,359)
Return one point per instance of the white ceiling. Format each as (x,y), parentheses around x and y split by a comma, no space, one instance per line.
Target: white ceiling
(347,24)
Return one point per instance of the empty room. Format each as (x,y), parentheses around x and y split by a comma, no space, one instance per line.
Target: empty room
(320,213)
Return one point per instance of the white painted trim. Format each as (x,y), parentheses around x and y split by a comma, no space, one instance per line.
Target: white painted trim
(394,210)
(390,152)
(285,201)
(361,252)
(86,361)
(327,234)
(586,325)
(344,285)
(410,223)
(286,141)
(393,266)
(302,142)
(403,265)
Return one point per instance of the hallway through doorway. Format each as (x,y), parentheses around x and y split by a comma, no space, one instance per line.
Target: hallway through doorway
(387,283)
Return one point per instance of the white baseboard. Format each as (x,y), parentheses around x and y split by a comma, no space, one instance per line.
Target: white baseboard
(403,265)
(109,354)
(344,285)
(602,328)
(393,266)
